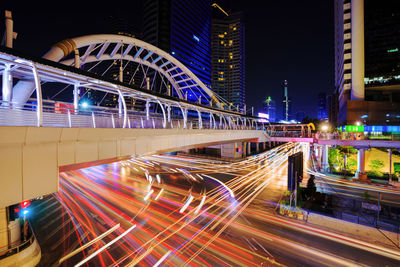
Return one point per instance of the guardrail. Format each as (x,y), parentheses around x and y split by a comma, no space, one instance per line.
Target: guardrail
(19,247)
(105,117)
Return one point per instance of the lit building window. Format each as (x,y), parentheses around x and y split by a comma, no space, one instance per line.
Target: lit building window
(234,28)
(230,42)
(221,36)
(222,42)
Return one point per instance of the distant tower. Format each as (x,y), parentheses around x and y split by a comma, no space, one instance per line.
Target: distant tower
(270,109)
(286,102)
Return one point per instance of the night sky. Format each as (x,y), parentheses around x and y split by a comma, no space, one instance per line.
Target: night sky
(290,40)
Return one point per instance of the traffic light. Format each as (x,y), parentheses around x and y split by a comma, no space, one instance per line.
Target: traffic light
(24,207)
(299,179)
(295,170)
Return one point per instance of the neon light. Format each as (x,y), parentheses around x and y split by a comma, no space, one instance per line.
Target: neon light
(393,50)
(370,128)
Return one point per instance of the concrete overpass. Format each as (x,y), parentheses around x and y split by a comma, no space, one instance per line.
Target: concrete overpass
(31,157)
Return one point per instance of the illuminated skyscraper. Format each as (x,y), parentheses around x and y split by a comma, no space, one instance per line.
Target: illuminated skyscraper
(322,107)
(367,56)
(181,28)
(228,57)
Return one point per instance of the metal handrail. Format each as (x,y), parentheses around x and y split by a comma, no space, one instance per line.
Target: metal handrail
(99,117)
(21,246)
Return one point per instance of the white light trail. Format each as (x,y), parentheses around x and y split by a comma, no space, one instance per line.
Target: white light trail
(159,194)
(66,257)
(200,205)
(188,201)
(224,185)
(148,195)
(104,247)
(162,259)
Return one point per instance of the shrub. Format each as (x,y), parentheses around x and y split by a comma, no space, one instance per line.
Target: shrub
(376,165)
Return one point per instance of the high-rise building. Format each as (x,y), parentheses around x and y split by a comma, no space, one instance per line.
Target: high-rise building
(270,109)
(286,103)
(181,28)
(367,56)
(322,107)
(228,56)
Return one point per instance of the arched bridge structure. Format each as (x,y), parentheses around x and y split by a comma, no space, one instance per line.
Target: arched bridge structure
(137,63)
(46,127)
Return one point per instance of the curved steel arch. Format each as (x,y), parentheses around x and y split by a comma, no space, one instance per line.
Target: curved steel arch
(130,49)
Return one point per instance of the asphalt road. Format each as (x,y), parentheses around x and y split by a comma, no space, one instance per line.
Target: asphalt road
(184,211)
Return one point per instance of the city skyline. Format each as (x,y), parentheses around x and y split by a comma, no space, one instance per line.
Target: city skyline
(263,79)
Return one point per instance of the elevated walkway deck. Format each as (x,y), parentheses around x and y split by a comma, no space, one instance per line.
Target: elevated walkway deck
(31,157)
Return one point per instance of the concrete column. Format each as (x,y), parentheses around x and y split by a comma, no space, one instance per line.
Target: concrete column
(264,146)
(319,156)
(357,50)
(248,148)
(360,174)
(76,97)
(257,147)
(325,156)
(147,109)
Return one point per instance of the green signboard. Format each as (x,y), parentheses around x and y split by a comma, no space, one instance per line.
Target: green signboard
(354,128)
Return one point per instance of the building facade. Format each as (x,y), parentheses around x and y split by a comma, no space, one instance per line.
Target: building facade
(183,29)
(367,56)
(322,107)
(228,57)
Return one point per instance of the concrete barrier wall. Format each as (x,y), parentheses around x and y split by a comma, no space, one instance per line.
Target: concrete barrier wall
(30,157)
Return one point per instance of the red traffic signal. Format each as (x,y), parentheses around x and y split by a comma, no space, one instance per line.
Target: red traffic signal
(25,204)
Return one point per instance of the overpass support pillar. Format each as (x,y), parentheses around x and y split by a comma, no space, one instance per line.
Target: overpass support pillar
(76,97)
(319,156)
(264,146)
(325,156)
(248,148)
(257,147)
(360,174)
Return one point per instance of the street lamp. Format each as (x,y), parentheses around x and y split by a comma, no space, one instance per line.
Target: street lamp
(358,123)
(324,128)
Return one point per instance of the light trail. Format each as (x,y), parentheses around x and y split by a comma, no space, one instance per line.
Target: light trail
(104,247)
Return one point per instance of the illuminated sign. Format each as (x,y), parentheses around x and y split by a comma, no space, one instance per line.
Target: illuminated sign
(370,128)
(263,117)
(393,50)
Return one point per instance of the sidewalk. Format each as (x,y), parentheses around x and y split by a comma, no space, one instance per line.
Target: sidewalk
(353,230)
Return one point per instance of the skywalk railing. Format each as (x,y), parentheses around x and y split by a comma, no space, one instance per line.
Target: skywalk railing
(60,114)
